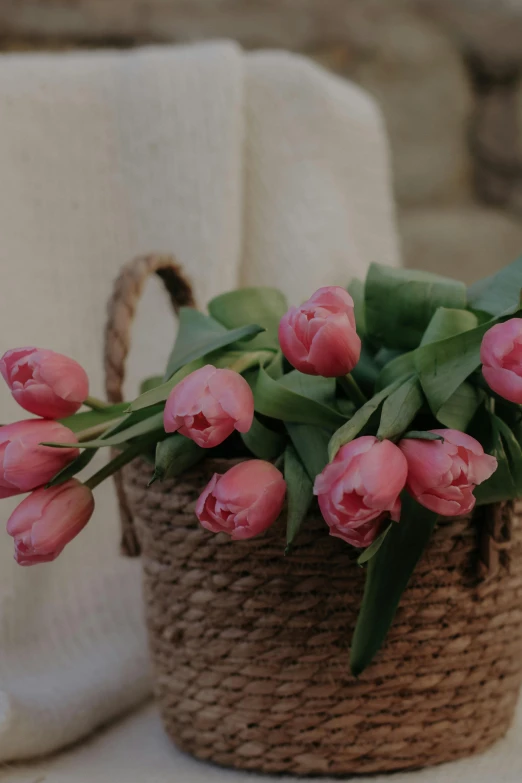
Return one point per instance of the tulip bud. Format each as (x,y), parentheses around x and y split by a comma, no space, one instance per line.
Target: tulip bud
(244,501)
(208,405)
(501,357)
(360,488)
(443,475)
(48,519)
(24,463)
(319,337)
(43,382)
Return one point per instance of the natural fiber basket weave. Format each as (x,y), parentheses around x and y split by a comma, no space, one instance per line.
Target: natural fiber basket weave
(251,648)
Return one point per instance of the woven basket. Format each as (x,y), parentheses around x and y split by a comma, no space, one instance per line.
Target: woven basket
(251,648)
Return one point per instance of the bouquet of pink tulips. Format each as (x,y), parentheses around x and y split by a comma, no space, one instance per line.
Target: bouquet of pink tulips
(393,402)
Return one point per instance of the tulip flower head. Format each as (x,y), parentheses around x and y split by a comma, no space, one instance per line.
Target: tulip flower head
(360,488)
(208,405)
(443,475)
(501,357)
(43,382)
(45,521)
(24,463)
(319,337)
(244,501)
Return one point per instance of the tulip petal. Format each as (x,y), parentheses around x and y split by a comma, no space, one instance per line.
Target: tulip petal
(64,515)
(482,469)
(458,438)
(234,396)
(336,348)
(499,341)
(383,471)
(506,383)
(10,359)
(447,508)
(292,347)
(63,375)
(428,462)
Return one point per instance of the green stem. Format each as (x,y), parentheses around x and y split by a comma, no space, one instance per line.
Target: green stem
(351,388)
(252,359)
(280,461)
(98,429)
(95,404)
(117,463)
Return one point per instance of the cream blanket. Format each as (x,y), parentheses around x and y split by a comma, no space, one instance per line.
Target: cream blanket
(250,168)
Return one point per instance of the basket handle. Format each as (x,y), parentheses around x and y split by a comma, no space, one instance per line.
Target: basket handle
(126,293)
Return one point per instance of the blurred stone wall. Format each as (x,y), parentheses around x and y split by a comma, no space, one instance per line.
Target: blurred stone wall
(447,74)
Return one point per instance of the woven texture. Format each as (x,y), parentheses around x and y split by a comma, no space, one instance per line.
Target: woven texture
(251,648)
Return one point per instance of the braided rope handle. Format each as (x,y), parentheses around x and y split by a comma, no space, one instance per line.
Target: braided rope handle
(496,540)
(128,288)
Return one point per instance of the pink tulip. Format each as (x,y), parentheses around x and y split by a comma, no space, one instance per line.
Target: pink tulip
(24,463)
(48,519)
(43,382)
(208,405)
(360,488)
(443,475)
(319,337)
(244,501)
(501,357)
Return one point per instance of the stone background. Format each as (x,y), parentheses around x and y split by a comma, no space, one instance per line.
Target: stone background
(447,74)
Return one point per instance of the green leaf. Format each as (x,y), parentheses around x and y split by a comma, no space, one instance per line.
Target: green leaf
(459,409)
(146,426)
(87,419)
(399,303)
(132,418)
(348,431)
(115,464)
(299,493)
(445,365)
(274,399)
(86,456)
(511,414)
(422,435)
(264,306)
(501,485)
(386,355)
(150,383)
(366,370)
(263,442)
(314,387)
(274,368)
(72,468)
(356,291)
(499,441)
(396,369)
(174,455)
(498,293)
(513,453)
(311,444)
(400,408)
(446,323)
(240,361)
(374,547)
(199,334)
(387,576)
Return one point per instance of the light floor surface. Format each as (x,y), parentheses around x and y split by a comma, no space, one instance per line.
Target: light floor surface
(136,750)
